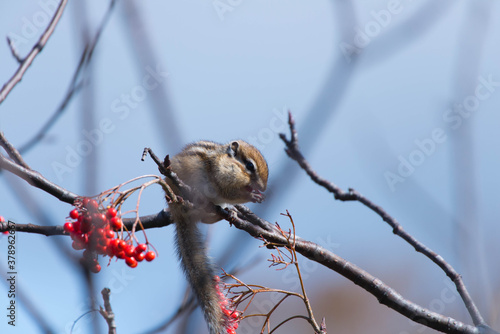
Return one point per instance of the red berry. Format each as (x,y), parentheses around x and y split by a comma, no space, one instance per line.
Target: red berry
(85,227)
(76,227)
(98,219)
(114,244)
(131,262)
(110,251)
(110,234)
(122,245)
(101,249)
(74,214)
(77,245)
(150,256)
(86,224)
(120,254)
(141,248)
(68,227)
(129,250)
(95,268)
(91,205)
(103,242)
(116,223)
(111,212)
(88,254)
(139,256)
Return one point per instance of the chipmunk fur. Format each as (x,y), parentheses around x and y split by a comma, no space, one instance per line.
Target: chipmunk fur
(232,173)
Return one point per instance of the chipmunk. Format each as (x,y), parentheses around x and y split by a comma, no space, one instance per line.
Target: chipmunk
(233,173)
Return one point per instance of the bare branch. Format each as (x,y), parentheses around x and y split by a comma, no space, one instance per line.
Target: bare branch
(146,54)
(13,50)
(37,48)
(74,88)
(107,312)
(160,219)
(37,180)
(293,151)
(384,293)
(12,152)
(75,84)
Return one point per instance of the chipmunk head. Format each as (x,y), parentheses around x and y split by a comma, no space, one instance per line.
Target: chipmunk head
(232,173)
(249,171)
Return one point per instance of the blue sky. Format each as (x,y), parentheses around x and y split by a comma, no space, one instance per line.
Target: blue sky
(407,116)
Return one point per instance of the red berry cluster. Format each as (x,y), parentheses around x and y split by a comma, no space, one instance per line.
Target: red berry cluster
(232,316)
(94,229)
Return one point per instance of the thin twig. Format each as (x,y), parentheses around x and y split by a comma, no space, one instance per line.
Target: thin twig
(312,320)
(146,55)
(37,48)
(37,180)
(247,214)
(78,319)
(13,50)
(298,316)
(52,119)
(74,86)
(107,312)
(12,152)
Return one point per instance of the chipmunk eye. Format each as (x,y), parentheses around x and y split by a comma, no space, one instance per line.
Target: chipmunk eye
(250,166)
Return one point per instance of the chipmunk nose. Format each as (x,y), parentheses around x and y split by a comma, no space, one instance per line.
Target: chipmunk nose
(261,185)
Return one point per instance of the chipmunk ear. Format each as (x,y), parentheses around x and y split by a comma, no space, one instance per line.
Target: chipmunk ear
(232,149)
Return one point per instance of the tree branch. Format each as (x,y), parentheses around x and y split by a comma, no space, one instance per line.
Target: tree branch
(75,84)
(160,219)
(107,312)
(12,152)
(37,48)
(21,169)
(242,218)
(384,293)
(293,151)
